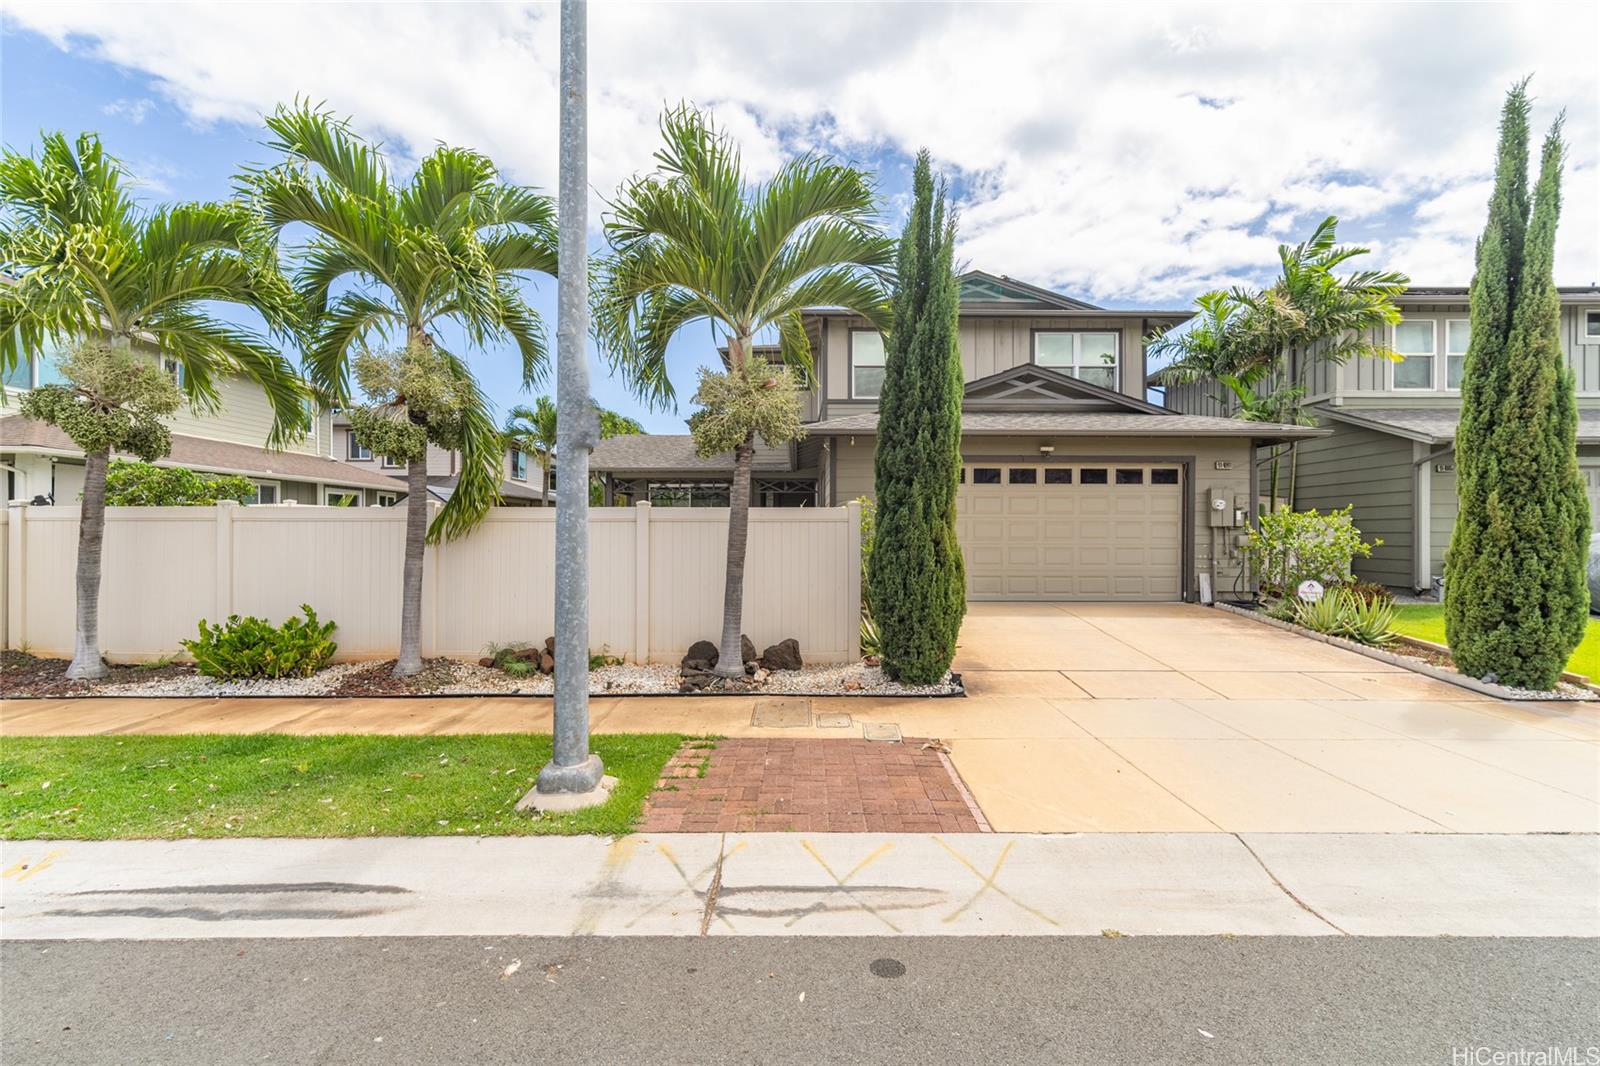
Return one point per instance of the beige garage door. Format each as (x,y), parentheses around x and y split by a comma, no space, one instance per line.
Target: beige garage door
(1064,531)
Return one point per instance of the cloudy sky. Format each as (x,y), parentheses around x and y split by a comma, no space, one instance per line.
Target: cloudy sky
(1125,153)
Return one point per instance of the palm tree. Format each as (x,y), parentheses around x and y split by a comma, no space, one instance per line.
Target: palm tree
(694,241)
(533,429)
(1262,346)
(92,268)
(443,248)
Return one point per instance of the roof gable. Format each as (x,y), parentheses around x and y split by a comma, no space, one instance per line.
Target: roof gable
(1030,387)
(981,289)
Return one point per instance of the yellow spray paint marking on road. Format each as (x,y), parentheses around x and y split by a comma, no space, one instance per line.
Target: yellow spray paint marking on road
(988,884)
(24,869)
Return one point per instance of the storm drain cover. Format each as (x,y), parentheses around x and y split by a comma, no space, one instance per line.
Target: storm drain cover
(887,732)
(781,714)
(833,721)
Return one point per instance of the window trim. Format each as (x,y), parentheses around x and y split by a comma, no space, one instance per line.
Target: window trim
(389,464)
(393,498)
(850,357)
(335,490)
(515,454)
(1584,336)
(1077,355)
(1443,379)
(1432,355)
(352,446)
(275,486)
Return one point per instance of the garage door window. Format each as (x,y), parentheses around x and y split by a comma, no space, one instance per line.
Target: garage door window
(1091,475)
(1130,477)
(986,475)
(1058,476)
(1023,475)
(1163,477)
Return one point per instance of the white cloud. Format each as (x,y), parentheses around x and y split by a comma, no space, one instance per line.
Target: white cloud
(132,110)
(1124,152)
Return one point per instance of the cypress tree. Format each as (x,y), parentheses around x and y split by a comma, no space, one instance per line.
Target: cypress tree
(1517,600)
(916,578)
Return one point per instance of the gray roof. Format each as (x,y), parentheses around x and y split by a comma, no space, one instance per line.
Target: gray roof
(1434,425)
(441,486)
(1569,294)
(673,453)
(199,453)
(1086,424)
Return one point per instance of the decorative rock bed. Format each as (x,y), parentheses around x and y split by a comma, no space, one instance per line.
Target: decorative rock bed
(449,677)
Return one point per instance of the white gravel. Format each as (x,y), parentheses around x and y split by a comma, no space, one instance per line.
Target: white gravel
(470,679)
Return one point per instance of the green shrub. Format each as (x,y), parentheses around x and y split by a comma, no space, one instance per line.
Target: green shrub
(1341,612)
(253,647)
(1288,547)
(519,668)
(130,484)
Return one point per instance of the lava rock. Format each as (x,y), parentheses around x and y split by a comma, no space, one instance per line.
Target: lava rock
(702,655)
(784,655)
(747,650)
(547,663)
(550,645)
(486,661)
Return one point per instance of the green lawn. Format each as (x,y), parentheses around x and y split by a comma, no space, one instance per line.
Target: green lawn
(273,785)
(1426,621)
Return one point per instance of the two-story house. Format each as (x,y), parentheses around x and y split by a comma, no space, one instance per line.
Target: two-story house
(42,464)
(1073,486)
(1390,452)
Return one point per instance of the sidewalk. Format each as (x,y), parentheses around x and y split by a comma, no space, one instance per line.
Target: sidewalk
(840,884)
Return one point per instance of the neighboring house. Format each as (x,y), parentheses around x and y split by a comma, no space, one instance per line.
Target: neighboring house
(520,487)
(41,463)
(1391,450)
(1073,487)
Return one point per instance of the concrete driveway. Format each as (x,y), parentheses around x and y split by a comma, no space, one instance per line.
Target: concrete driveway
(1174,717)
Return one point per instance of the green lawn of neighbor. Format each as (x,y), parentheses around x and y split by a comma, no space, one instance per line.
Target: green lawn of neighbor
(274,785)
(1426,621)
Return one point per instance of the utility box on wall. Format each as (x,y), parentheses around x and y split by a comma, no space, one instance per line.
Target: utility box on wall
(1219,507)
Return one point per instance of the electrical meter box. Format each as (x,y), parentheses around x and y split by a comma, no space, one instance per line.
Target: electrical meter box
(1219,506)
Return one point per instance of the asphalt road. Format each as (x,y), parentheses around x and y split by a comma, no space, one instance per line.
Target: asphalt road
(813,1000)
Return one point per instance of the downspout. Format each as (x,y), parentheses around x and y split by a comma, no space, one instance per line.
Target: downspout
(1422,512)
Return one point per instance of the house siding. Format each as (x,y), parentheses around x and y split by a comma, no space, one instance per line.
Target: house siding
(245,417)
(1370,471)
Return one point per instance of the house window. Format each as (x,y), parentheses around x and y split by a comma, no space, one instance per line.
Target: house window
(688,493)
(1416,342)
(519,464)
(1591,327)
(266,492)
(173,369)
(389,464)
(387,499)
(355,451)
(341,497)
(866,364)
(1090,357)
(1457,335)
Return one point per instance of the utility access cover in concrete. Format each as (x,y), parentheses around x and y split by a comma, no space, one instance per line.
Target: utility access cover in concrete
(781,714)
(887,732)
(833,721)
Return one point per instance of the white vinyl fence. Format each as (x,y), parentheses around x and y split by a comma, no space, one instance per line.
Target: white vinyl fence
(655,578)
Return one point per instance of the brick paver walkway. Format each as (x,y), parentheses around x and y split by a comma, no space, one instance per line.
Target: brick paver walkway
(753,784)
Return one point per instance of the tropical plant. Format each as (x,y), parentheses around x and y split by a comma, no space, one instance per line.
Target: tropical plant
(91,269)
(533,429)
(146,485)
(1288,547)
(918,580)
(1339,612)
(1263,345)
(445,248)
(253,647)
(694,241)
(1517,602)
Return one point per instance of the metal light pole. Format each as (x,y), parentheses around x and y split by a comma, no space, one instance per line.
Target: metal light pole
(574,777)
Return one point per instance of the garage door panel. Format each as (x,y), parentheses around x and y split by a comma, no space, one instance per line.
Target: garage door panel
(1027,539)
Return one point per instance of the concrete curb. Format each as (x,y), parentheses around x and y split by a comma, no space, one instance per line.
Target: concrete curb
(1499,692)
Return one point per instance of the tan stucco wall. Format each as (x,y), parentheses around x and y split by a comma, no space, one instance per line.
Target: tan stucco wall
(854,478)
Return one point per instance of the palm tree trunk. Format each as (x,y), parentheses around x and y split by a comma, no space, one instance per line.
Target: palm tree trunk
(730,659)
(410,660)
(86,663)
(544,488)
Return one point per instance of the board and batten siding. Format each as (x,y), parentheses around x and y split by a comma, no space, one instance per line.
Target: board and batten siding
(655,578)
(245,417)
(990,345)
(855,478)
(1371,471)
